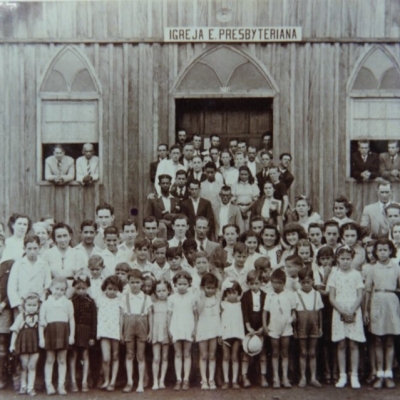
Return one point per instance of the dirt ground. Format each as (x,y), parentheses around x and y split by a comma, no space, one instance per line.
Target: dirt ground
(326,393)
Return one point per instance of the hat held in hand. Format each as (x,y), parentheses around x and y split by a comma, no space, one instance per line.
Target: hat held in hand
(252,345)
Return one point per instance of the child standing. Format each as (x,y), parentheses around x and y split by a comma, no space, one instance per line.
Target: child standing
(232,330)
(142,251)
(279,313)
(160,337)
(122,271)
(350,235)
(263,267)
(136,328)
(308,325)
(56,332)
(208,329)
(85,315)
(108,328)
(238,271)
(25,341)
(383,309)
(182,317)
(293,264)
(252,309)
(96,268)
(345,295)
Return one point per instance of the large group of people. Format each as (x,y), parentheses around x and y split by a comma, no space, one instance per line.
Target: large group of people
(222,269)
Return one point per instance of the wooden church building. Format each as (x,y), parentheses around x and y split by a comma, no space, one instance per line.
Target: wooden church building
(125,75)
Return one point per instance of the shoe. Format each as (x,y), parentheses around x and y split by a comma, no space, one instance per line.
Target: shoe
(22,390)
(378,383)
(85,387)
(212,385)
(354,382)
(161,386)
(61,391)
(128,388)
(185,385)
(32,393)
(178,385)
(389,383)
(327,378)
(302,384)
(286,384)
(316,384)
(235,385)
(370,379)
(264,382)
(342,382)
(110,387)
(276,384)
(204,386)
(74,387)
(246,383)
(50,389)
(225,386)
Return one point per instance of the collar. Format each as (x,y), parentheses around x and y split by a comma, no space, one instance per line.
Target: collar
(140,295)
(195,201)
(166,197)
(199,242)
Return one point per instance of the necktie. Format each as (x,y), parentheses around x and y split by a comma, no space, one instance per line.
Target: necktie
(88,168)
(365,158)
(180,243)
(202,245)
(59,166)
(392,159)
(179,192)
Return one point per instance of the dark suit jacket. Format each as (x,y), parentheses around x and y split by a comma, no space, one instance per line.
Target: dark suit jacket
(247,309)
(185,195)
(358,165)
(155,207)
(204,210)
(261,180)
(153,170)
(5,268)
(287,178)
(190,177)
(257,208)
(386,166)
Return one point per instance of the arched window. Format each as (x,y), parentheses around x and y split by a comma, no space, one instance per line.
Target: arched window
(374,101)
(69,107)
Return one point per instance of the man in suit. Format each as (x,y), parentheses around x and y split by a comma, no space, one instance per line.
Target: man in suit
(162,153)
(267,144)
(389,163)
(364,164)
(179,190)
(87,166)
(285,175)
(198,144)
(163,207)
(104,218)
(201,229)
(180,226)
(227,213)
(233,146)
(374,218)
(187,156)
(59,168)
(195,206)
(263,175)
(197,170)
(254,166)
(181,138)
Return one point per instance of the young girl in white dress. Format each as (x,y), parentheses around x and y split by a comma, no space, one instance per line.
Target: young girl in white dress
(345,294)
(182,317)
(232,330)
(109,315)
(208,328)
(383,309)
(160,338)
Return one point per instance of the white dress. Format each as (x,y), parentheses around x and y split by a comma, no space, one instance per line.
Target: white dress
(209,324)
(232,320)
(182,307)
(108,318)
(346,285)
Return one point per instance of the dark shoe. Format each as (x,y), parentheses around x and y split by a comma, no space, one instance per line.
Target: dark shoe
(389,383)
(370,379)
(378,383)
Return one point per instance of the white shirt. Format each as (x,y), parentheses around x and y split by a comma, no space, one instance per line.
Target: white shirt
(111,260)
(156,270)
(308,300)
(26,277)
(174,242)
(256,300)
(199,243)
(83,253)
(82,168)
(195,204)
(136,303)
(167,202)
(252,167)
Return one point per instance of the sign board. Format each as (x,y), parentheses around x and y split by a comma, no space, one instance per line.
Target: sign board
(233,34)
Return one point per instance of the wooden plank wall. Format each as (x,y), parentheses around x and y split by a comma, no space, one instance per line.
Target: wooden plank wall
(137,80)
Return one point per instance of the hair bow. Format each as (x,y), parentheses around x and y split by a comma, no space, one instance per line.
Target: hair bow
(149,275)
(301,197)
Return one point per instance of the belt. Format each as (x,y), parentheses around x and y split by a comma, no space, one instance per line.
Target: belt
(385,291)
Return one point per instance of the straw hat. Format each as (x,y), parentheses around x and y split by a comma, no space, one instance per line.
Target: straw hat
(253,345)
